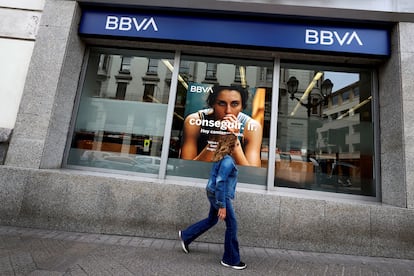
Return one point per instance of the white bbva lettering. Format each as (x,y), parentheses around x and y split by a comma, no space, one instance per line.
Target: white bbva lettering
(329,38)
(201,89)
(326,38)
(125,23)
(355,36)
(111,23)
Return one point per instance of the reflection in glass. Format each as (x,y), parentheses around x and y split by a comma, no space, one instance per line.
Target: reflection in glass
(200,99)
(327,144)
(122,111)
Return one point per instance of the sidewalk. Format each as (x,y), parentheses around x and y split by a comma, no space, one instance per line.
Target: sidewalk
(25,251)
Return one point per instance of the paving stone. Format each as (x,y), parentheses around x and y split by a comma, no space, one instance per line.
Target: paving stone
(43,252)
(45,273)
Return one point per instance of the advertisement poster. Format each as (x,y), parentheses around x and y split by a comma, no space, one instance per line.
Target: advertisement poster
(211,111)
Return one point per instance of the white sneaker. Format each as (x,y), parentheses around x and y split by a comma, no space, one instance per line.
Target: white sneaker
(183,245)
(239,266)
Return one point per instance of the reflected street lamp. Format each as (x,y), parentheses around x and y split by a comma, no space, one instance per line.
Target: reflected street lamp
(292,85)
(326,88)
(325,92)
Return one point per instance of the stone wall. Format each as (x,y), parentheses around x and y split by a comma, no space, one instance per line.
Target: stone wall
(86,202)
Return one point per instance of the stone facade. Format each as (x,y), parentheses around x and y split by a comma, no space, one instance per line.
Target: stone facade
(87,202)
(37,192)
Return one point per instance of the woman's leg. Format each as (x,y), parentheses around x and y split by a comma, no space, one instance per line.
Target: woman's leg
(197,229)
(231,254)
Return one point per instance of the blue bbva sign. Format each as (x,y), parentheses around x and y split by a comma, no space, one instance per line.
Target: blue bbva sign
(236,32)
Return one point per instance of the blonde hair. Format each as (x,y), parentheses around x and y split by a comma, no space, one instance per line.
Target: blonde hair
(225,145)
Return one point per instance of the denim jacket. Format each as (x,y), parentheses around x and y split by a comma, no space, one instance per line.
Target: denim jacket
(223,180)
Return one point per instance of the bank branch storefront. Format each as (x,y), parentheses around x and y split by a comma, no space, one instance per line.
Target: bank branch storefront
(310,125)
(122,109)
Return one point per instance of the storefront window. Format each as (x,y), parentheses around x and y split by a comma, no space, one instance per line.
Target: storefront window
(122,111)
(324,143)
(325,136)
(211,94)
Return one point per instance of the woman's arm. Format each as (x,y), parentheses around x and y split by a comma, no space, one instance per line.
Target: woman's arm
(191,133)
(226,166)
(252,137)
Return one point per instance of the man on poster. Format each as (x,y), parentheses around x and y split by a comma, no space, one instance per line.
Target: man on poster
(224,115)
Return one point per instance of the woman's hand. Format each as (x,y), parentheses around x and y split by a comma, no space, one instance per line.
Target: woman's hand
(222,213)
(232,124)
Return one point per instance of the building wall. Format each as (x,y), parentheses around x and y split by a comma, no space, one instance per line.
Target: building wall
(37,193)
(102,203)
(19,22)
(50,90)
(18,28)
(407,86)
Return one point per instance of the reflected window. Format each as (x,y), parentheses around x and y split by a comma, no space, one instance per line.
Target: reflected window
(346,95)
(237,77)
(152,66)
(356,92)
(122,135)
(320,146)
(211,71)
(125,65)
(184,67)
(121,90)
(104,63)
(266,74)
(334,100)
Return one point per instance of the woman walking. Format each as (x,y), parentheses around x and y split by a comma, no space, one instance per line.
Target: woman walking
(220,189)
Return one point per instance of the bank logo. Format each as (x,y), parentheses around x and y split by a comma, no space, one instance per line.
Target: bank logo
(324,37)
(200,88)
(126,23)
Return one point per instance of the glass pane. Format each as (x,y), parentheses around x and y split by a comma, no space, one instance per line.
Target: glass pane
(211,93)
(325,140)
(122,111)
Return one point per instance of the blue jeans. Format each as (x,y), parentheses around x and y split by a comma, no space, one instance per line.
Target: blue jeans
(231,254)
